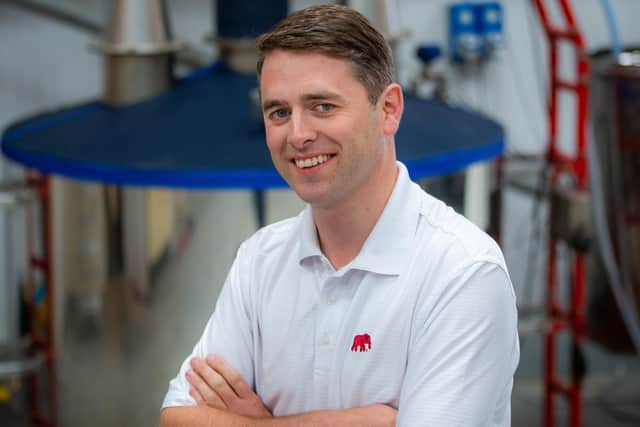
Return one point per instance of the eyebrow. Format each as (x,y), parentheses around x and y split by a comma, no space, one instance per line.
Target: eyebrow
(328,96)
(318,96)
(266,105)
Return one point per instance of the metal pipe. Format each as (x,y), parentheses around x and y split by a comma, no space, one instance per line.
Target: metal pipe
(189,55)
(614,33)
(138,51)
(54,11)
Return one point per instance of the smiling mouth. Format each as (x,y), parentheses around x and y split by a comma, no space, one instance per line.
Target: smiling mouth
(312,161)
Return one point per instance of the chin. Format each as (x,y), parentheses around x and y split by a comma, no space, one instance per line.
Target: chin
(307,198)
(314,198)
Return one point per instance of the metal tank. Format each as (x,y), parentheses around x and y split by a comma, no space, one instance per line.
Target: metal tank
(615,113)
(106,223)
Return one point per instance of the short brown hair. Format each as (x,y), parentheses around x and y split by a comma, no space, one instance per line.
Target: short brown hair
(336,31)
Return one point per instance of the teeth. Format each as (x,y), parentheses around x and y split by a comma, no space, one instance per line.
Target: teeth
(313,161)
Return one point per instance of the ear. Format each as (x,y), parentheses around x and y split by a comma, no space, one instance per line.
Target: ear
(392,105)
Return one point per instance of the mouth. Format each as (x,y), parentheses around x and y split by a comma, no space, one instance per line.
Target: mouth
(311,162)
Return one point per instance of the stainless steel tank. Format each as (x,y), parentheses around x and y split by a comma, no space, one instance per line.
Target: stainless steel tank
(615,115)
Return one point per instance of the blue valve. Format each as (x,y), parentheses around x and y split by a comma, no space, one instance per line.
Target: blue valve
(428,53)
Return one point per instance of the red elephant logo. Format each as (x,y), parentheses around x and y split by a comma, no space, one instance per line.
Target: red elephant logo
(361,343)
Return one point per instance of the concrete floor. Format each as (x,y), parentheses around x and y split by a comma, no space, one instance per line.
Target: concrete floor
(117,375)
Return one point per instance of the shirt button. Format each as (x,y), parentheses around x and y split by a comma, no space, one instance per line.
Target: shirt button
(331,300)
(325,340)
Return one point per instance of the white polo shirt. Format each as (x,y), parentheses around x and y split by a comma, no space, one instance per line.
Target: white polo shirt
(423,319)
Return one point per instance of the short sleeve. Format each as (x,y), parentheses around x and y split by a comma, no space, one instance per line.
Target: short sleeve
(227,333)
(463,353)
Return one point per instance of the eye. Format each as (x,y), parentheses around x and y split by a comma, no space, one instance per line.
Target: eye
(324,108)
(278,114)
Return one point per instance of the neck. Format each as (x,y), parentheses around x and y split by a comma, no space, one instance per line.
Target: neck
(342,230)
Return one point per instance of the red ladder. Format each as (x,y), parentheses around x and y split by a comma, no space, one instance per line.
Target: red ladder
(571,319)
(42,339)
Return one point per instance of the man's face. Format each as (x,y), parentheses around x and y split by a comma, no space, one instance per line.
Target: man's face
(325,137)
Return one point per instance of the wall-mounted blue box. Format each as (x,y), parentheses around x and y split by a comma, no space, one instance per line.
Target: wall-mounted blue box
(465,44)
(489,21)
(475,30)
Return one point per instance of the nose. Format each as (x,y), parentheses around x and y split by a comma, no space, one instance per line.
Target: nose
(301,132)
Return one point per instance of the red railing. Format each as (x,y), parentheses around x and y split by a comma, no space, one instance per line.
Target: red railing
(42,333)
(571,319)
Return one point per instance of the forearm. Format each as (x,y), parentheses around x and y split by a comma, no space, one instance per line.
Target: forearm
(365,416)
(203,416)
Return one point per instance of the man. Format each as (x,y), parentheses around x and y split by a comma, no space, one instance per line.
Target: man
(377,304)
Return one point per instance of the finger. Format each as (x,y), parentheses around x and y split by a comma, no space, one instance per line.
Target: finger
(231,376)
(196,396)
(207,394)
(214,380)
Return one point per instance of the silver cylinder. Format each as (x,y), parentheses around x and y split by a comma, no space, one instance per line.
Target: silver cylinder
(615,102)
(138,50)
(130,78)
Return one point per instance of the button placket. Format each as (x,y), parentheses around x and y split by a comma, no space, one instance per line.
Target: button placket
(327,324)
(324,343)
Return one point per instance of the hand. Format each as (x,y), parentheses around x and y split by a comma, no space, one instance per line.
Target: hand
(216,384)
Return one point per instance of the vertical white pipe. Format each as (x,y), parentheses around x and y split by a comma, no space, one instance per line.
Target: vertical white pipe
(476,194)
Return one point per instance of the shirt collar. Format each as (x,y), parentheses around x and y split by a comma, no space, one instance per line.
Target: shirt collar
(388,248)
(309,245)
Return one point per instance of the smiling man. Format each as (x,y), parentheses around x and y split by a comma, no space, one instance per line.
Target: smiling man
(378,304)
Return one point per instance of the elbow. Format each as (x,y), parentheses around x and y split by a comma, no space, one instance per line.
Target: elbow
(167,418)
